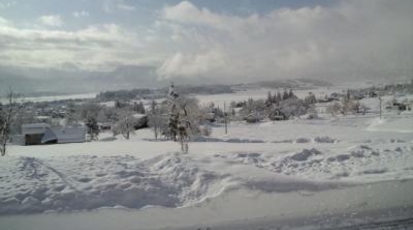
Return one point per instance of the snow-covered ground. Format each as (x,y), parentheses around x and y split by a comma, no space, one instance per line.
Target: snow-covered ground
(257,173)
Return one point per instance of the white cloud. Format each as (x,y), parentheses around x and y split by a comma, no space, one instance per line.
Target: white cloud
(95,47)
(5,5)
(51,20)
(200,64)
(123,6)
(109,6)
(79,14)
(4,22)
(352,38)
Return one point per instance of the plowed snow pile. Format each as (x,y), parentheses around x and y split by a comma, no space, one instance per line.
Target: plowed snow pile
(81,182)
(88,182)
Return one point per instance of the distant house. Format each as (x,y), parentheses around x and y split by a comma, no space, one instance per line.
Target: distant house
(43,119)
(41,133)
(105,126)
(277,115)
(252,118)
(140,121)
(373,94)
(399,106)
(210,117)
(334,97)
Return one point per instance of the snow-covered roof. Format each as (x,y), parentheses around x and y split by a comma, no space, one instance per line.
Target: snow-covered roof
(62,135)
(70,134)
(35,125)
(35,128)
(139,115)
(48,136)
(43,117)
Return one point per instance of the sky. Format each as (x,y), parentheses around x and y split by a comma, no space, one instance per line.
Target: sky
(216,41)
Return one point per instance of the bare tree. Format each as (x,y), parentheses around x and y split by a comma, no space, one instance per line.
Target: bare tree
(92,128)
(188,120)
(7,114)
(156,118)
(125,125)
(334,108)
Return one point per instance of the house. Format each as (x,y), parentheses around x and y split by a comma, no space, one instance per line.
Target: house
(277,115)
(399,106)
(70,134)
(210,117)
(33,133)
(105,126)
(252,118)
(140,121)
(373,94)
(41,133)
(43,119)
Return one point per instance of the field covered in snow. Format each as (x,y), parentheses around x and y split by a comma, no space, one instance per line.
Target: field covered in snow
(257,172)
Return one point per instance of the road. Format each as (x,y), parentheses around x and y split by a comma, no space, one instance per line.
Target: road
(384,205)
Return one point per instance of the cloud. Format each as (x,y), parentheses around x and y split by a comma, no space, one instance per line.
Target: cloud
(5,5)
(4,22)
(201,64)
(122,6)
(96,47)
(351,38)
(51,20)
(110,6)
(80,14)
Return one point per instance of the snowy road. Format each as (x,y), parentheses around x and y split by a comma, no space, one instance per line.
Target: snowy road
(396,225)
(248,209)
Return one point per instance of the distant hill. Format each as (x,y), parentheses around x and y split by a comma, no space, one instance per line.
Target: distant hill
(49,81)
(301,83)
(37,81)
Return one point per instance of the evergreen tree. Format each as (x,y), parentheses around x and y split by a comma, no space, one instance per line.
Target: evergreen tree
(291,94)
(139,107)
(310,99)
(285,95)
(270,99)
(173,123)
(278,98)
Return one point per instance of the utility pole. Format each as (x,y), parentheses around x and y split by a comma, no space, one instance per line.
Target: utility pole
(225,119)
(380,105)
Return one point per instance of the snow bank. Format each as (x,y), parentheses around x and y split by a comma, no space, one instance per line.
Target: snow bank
(398,124)
(356,164)
(89,182)
(83,182)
